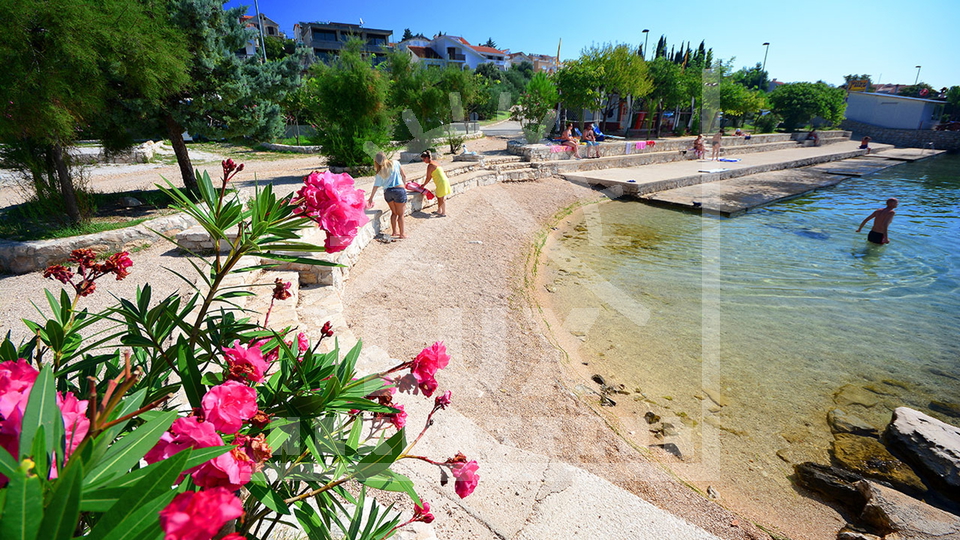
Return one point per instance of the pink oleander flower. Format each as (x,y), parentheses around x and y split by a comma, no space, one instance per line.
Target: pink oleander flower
(467,477)
(425,366)
(228,405)
(83,257)
(58,272)
(281,290)
(442,401)
(75,422)
(231,470)
(332,201)
(16,380)
(245,364)
(399,418)
(117,264)
(327,329)
(422,513)
(302,343)
(199,515)
(185,433)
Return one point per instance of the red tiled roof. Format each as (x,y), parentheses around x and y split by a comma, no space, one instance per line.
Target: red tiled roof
(424,52)
(488,50)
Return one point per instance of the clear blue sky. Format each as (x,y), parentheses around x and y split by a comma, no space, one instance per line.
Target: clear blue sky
(809,39)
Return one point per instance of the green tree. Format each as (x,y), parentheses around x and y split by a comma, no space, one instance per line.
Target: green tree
(579,83)
(624,74)
(668,87)
(489,71)
(738,101)
(65,62)
(227,97)
(797,103)
(348,103)
(754,78)
(953,102)
(416,89)
(279,48)
(536,106)
(490,43)
(407,34)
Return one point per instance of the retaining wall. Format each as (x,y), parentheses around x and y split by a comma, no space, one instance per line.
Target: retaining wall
(25,257)
(910,138)
(730,144)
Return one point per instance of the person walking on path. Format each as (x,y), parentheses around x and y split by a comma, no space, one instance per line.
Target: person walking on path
(390,176)
(716,145)
(881,221)
(435,173)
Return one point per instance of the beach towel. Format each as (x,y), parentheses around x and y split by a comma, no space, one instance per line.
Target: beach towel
(712,170)
(730,160)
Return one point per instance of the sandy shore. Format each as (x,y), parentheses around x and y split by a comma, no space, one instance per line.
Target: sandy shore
(464,279)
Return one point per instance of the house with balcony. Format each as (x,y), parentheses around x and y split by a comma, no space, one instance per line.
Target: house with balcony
(445,50)
(326,40)
(270,28)
(540,62)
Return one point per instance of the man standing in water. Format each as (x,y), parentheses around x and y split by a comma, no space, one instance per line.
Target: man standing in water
(881,220)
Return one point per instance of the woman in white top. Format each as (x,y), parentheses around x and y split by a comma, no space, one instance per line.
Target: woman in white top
(391,178)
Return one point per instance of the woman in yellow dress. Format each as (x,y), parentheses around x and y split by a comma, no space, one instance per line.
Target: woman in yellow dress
(435,173)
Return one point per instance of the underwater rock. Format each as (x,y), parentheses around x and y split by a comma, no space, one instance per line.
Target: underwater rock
(651,417)
(849,394)
(831,482)
(946,407)
(599,380)
(870,459)
(842,422)
(669,448)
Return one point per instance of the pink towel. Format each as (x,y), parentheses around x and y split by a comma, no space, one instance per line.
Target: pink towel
(651,143)
(641,145)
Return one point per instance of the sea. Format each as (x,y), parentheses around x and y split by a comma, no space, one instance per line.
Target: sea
(744,333)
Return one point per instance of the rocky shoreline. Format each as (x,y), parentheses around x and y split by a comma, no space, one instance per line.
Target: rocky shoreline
(901,484)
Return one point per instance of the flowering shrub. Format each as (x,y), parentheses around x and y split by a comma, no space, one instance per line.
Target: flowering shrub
(262,429)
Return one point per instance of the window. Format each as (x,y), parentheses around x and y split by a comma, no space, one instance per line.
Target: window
(324,35)
(271,31)
(376,41)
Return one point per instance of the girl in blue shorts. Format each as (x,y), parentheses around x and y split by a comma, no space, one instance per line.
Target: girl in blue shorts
(390,176)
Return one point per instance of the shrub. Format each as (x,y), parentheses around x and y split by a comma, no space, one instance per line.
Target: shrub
(90,444)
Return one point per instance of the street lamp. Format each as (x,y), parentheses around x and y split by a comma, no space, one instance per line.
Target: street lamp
(767,45)
(646,35)
(918,76)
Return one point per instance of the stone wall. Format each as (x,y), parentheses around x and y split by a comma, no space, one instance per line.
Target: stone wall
(909,138)
(730,144)
(25,257)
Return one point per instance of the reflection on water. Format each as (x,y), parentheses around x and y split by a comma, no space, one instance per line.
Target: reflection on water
(760,324)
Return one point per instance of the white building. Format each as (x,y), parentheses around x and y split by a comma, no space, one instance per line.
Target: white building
(894,112)
(445,50)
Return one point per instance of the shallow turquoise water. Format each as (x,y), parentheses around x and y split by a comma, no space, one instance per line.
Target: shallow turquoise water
(785,312)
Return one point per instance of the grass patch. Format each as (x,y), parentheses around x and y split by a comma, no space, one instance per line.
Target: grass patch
(34,221)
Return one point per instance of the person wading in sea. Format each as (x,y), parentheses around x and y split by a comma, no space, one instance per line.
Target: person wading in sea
(881,220)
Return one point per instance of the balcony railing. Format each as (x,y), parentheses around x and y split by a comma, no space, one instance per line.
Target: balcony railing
(458,57)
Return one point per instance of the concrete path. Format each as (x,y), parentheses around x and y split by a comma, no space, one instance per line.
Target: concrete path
(638,181)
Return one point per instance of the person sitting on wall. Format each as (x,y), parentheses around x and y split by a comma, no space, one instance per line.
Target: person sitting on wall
(814,136)
(865,144)
(568,139)
(590,138)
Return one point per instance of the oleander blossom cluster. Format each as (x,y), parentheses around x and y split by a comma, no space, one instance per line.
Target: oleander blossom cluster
(89,270)
(16,381)
(332,201)
(224,412)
